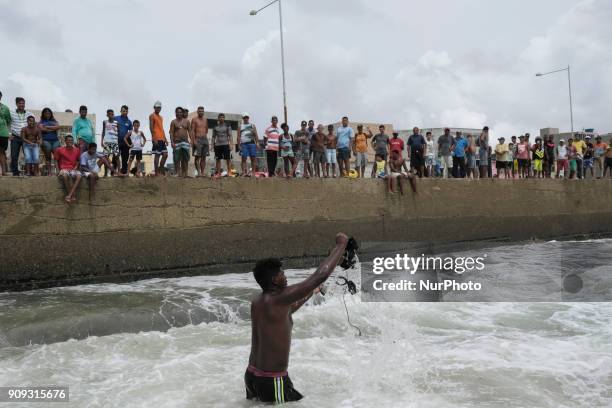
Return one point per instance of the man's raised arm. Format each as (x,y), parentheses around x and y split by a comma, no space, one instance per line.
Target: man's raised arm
(303,289)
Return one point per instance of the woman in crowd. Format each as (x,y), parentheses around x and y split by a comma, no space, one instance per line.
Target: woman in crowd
(50,140)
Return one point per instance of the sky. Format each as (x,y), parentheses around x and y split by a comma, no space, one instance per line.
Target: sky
(435,63)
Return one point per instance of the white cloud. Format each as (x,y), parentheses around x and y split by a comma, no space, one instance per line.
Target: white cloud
(435,60)
(253,55)
(383,61)
(38,91)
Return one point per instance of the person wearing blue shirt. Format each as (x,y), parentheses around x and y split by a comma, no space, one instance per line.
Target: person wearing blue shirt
(124,126)
(461,145)
(344,136)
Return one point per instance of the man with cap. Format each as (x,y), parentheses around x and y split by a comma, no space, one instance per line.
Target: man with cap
(248,141)
(599,153)
(446,144)
(501,157)
(158,137)
(201,149)
(562,163)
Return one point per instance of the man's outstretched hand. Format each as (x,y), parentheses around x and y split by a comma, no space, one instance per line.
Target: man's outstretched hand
(341,239)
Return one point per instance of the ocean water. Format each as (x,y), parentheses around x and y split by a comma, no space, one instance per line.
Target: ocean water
(185,343)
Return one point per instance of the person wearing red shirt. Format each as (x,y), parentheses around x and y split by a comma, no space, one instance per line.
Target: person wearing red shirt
(396,144)
(68,162)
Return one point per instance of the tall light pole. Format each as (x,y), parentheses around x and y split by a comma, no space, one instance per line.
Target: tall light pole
(280,15)
(569,82)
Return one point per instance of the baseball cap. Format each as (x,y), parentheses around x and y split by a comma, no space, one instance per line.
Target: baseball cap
(157,104)
(562,140)
(246,115)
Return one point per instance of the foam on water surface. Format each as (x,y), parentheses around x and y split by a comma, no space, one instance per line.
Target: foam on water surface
(410,355)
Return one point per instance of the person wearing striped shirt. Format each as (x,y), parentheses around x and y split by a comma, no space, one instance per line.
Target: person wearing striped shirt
(272,139)
(19,120)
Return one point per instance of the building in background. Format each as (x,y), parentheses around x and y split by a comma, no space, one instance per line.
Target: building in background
(567,135)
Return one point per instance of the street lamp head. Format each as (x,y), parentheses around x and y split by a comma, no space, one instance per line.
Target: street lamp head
(253,12)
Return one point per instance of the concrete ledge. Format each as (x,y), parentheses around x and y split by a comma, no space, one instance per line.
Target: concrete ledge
(141,228)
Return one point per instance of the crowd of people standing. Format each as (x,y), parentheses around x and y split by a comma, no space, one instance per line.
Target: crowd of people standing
(320,151)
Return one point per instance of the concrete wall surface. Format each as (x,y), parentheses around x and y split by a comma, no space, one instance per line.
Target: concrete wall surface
(137,228)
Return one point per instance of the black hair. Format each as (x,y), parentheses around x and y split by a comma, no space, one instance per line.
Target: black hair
(486,128)
(125,107)
(428,133)
(330,127)
(83,107)
(274,117)
(265,270)
(94,145)
(68,136)
(110,111)
(221,114)
(42,114)
(19,99)
(284,125)
(345,117)
(178,108)
(136,121)
(31,116)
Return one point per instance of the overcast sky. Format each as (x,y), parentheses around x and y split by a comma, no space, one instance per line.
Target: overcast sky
(460,63)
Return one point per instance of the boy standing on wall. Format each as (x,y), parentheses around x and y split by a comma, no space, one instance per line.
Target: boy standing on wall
(330,152)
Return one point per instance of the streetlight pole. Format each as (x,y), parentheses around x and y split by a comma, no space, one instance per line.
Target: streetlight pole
(569,82)
(282,41)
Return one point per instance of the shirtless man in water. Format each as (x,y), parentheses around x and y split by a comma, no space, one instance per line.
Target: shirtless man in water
(399,170)
(266,377)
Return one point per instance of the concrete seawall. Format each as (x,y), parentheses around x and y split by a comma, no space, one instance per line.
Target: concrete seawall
(138,228)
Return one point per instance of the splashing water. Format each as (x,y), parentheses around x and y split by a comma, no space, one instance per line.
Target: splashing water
(185,343)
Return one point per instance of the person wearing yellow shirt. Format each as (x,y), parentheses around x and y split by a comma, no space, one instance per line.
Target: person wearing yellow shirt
(581,147)
(501,157)
(360,148)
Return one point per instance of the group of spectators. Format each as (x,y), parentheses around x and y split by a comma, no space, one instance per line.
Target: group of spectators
(322,151)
